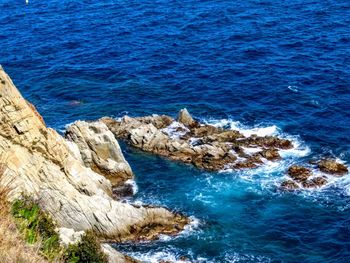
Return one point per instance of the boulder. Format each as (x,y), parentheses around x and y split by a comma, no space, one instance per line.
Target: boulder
(299,173)
(185,118)
(315,182)
(332,167)
(270,154)
(100,150)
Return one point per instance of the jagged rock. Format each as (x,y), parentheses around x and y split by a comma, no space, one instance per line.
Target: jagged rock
(332,167)
(100,151)
(299,173)
(41,164)
(303,176)
(315,182)
(185,118)
(271,154)
(205,146)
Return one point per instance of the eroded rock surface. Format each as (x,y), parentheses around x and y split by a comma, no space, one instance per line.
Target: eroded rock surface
(205,146)
(67,178)
(100,151)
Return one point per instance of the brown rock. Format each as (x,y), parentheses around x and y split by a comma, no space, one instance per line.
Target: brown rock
(289,185)
(332,167)
(315,182)
(186,119)
(204,130)
(270,142)
(299,173)
(271,154)
(226,136)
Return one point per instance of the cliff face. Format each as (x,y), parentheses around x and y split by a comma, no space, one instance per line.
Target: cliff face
(69,178)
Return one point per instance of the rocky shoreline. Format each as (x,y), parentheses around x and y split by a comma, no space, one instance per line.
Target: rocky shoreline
(80,179)
(205,146)
(72,179)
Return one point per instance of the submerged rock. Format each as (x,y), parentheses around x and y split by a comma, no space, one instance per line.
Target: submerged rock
(315,182)
(289,185)
(205,146)
(332,167)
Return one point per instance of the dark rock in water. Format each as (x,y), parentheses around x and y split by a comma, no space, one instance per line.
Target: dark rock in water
(299,173)
(184,258)
(332,167)
(315,182)
(289,185)
(270,142)
(124,190)
(271,154)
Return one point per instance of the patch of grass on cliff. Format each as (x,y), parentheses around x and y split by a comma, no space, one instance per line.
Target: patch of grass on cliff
(12,246)
(87,250)
(37,227)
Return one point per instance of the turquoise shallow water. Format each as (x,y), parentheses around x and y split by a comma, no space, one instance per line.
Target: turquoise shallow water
(277,64)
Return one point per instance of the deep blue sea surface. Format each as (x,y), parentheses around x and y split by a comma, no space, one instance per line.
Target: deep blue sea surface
(282,65)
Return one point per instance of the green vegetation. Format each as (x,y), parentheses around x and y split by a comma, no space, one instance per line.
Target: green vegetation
(38,228)
(87,250)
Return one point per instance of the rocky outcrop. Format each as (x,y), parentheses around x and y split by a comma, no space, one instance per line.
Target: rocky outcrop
(67,178)
(303,177)
(205,146)
(99,151)
(186,119)
(333,167)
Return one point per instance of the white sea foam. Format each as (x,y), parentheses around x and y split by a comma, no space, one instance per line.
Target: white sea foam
(175,130)
(133,185)
(168,254)
(192,227)
(245,130)
(249,150)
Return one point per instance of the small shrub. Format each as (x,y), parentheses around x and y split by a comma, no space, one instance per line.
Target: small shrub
(88,250)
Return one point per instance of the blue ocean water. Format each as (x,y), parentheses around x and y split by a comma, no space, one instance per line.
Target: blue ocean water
(254,63)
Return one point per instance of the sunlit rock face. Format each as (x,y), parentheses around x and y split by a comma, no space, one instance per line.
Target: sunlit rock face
(71,179)
(205,146)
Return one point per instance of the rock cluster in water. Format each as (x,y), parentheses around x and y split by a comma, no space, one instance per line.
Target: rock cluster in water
(211,148)
(303,177)
(203,145)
